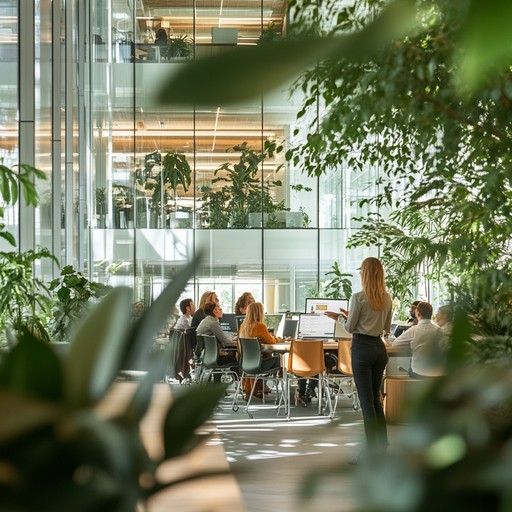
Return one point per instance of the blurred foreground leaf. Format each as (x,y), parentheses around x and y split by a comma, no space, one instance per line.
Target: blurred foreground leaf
(244,73)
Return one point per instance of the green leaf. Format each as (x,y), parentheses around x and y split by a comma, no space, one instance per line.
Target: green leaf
(486,42)
(154,318)
(188,412)
(22,414)
(32,368)
(246,72)
(97,349)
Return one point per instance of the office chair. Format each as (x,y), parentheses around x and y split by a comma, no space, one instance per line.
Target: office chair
(210,360)
(344,375)
(253,366)
(306,360)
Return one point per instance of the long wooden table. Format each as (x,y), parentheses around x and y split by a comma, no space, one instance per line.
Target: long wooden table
(284,346)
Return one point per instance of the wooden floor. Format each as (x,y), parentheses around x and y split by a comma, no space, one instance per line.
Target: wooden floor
(270,458)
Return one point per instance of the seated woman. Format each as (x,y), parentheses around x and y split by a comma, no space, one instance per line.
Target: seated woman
(211,327)
(253,327)
(243,301)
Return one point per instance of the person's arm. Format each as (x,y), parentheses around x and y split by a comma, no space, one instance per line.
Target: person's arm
(354,313)
(405,338)
(260,331)
(389,318)
(220,334)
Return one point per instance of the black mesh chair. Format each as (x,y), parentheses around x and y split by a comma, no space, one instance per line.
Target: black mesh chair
(255,367)
(211,360)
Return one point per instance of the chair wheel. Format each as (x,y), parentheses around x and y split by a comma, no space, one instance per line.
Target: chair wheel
(235,408)
(250,415)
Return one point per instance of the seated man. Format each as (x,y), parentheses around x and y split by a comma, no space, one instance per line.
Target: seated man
(187,309)
(425,340)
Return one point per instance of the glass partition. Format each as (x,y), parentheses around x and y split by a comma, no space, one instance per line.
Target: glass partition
(9,138)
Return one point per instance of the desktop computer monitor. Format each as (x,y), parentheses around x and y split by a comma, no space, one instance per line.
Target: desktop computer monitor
(315,326)
(239,320)
(321,305)
(290,328)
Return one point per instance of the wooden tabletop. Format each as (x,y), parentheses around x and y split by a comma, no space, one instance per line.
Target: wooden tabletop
(284,346)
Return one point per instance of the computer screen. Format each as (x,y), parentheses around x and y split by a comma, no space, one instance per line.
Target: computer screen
(321,305)
(239,320)
(228,322)
(272,321)
(290,328)
(316,326)
(399,329)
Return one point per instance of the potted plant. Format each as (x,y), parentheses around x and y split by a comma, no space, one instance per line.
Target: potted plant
(179,47)
(73,295)
(101,206)
(161,176)
(241,193)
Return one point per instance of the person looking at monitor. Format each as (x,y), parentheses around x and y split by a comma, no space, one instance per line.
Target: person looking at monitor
(199,314)
(425,340)
(369,316)
(253,326)
(243,301)
(211,327)
(187,309)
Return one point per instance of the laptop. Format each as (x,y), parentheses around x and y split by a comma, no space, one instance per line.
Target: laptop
(313,326)
(228,323)
(290,328)
(399,329)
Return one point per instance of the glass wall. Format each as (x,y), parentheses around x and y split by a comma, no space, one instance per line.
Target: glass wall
(168,182)
(9,136)
(136,189)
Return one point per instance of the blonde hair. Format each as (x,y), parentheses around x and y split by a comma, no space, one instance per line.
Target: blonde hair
(255,314)
(374,286)
(206,298)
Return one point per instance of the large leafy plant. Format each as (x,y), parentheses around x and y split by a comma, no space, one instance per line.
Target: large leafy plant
(57,453)
(73,294)
(24,298)
(339,283)
(241,190)
(160,176)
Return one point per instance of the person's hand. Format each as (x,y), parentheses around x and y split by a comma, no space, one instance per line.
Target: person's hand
(332,314)
(278,339)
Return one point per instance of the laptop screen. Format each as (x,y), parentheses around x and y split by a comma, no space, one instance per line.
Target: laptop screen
(228,322)
(316,326)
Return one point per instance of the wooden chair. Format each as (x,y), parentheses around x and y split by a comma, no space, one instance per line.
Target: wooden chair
(306,360)
(344,375)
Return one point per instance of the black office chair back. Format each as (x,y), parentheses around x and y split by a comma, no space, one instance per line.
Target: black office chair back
(211,351)
(199,345)
(191,338)
(250,350)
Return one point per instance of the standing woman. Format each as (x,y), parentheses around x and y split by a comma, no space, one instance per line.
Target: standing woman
(369,318)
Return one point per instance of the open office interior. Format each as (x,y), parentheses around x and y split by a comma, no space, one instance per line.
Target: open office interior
(78,102)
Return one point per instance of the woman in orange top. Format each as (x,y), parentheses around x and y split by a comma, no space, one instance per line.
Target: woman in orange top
(253,327)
